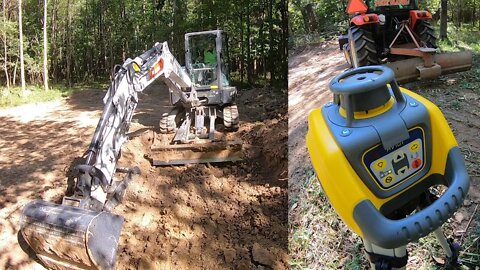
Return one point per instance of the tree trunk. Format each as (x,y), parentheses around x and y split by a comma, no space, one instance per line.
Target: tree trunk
(459,13)
(45,47)
(249,49)
(15,73)
(53,40)
(271,61)
(299,5)
(262,40)
(284,41)
(242,55)
(69,43)
(443,20)
(5,46)
(311,18)
(474,15)
(20,30)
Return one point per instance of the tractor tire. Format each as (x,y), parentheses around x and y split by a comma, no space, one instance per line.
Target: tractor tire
(364,46)
(425,32)
(230,117)
(168,123)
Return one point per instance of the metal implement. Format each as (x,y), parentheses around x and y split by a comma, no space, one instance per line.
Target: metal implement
(199,152)
(412,69)
(70,237)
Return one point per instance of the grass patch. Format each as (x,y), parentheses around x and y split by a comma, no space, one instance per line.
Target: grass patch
(320,240)
(318,237)
(463,39)
(460,39)
(36,94)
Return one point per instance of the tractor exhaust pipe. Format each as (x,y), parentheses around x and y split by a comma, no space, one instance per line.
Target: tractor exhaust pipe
(67,237)
(444,63)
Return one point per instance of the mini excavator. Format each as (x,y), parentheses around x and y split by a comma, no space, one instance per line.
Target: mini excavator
(82,232)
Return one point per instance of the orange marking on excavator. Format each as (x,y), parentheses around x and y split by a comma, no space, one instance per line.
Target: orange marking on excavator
(156,68)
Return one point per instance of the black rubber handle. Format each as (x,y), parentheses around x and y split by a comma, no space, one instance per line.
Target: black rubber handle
(390,234)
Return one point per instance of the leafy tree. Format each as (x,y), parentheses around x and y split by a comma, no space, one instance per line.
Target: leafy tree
(88,37)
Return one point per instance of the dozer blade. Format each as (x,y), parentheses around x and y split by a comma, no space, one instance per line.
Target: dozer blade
(413,69)
(67,237)
(208,152)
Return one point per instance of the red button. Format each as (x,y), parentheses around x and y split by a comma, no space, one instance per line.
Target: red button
(416,163)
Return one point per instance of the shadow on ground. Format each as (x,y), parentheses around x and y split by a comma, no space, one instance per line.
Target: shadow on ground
(199,216)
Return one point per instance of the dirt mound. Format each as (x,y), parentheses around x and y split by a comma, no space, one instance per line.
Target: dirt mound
(211,216)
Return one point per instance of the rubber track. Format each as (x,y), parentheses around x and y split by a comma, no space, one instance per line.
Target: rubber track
(230,117)
(167,122)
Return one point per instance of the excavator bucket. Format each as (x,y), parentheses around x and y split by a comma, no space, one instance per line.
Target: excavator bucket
(414,69)
(67,237)
(198,152)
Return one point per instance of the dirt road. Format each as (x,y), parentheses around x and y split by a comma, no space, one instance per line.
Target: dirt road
(310,70)
(228,216)
(311,221)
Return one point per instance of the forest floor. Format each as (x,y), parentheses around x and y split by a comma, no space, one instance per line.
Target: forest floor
(318,239)
(224,216)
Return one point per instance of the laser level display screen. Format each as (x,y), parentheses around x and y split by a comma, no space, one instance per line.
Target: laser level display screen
(392,166)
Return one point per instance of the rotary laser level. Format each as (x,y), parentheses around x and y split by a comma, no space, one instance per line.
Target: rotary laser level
(377,151)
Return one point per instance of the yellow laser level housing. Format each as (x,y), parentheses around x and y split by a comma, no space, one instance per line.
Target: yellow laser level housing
(377,149)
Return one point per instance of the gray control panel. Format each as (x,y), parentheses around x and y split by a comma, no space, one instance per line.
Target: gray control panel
(399,164)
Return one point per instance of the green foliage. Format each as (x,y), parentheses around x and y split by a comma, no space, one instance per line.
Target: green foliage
(461,38)
(87,38)
(331,18)
(34,94)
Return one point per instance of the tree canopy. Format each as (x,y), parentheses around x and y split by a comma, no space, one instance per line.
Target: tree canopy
(86,38)
(329,16)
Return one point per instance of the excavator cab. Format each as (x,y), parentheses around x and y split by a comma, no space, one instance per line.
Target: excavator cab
(205,54)
(203,60)
(210,104)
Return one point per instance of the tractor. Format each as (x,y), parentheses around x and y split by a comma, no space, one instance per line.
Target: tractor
(397,34)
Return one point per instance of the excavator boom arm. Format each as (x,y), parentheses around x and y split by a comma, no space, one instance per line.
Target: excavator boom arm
(121,100)
(84,218)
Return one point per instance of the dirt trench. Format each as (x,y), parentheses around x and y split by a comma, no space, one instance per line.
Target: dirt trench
(224,216)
